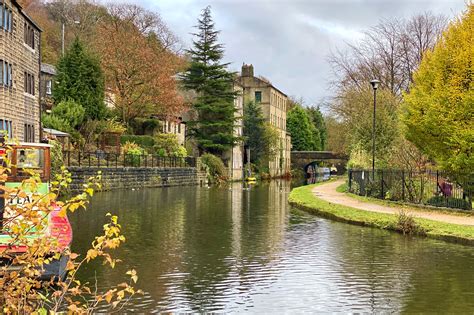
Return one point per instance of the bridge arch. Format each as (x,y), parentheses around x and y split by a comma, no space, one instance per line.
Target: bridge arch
(302,159)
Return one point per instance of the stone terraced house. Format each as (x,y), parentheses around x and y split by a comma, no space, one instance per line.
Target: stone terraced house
(19,73)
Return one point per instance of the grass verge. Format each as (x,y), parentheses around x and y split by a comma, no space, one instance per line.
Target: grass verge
(304,199)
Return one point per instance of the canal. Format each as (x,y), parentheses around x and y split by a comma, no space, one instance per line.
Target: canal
(234,249)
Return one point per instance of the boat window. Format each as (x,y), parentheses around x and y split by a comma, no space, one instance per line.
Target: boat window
(30,158)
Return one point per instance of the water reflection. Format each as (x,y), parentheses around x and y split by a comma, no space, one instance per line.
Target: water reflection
(240,249)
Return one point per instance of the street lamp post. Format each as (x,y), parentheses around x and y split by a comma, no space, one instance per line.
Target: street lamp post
(375,85)
(63,34)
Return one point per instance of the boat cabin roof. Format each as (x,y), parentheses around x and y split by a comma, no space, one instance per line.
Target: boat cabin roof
(29,144)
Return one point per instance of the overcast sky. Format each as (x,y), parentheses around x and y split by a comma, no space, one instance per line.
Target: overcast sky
(288,41)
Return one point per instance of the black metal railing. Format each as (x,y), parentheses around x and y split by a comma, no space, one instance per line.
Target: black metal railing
(435,188)
(116,160)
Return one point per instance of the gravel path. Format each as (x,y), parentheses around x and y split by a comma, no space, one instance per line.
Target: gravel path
(328,192)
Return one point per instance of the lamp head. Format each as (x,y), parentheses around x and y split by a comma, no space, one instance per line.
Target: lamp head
(375,83)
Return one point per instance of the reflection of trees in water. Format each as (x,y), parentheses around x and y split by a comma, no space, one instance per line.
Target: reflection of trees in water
(241,244)
(153,245)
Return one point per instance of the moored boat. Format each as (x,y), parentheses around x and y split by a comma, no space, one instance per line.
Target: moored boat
(26,160)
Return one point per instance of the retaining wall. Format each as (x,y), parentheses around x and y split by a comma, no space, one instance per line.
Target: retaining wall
(137,177)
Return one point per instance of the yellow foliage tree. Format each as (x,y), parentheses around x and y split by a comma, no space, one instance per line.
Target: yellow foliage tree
(439,110)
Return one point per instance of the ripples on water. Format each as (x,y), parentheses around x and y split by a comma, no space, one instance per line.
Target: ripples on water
(236,250)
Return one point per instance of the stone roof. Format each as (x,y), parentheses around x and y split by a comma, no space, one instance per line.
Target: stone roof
(47,68)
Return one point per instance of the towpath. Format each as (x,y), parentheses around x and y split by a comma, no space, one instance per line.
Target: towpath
(328,192)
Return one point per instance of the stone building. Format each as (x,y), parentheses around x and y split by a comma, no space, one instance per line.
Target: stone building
(20,72)
(47,78)
(174,126)
(274,107)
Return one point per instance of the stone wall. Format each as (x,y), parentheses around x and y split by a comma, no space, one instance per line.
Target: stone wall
(137,177)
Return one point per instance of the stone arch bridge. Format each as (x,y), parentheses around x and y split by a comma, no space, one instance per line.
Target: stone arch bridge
(302,159)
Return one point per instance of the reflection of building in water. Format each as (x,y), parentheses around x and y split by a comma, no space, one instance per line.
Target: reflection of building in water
(278,191)
(236,195)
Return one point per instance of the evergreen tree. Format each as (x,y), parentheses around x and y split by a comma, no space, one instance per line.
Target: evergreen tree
(209,78)
(260,136)
(80,79)
(317,119)
(304,136)
(254,126)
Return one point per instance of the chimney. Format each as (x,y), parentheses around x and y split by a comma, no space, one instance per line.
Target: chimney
(247,70)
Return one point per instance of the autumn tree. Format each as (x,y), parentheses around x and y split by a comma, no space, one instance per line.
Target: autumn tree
(79,78)
(140,65)
(80,19)
(213,129)
(439,110)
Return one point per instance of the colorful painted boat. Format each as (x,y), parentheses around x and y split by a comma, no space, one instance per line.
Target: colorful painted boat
(26,158)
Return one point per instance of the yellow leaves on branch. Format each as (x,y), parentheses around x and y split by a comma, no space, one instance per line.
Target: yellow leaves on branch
(439,110)
(26,218)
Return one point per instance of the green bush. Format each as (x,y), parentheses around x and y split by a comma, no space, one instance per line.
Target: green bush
(143,141)
(180,152)
(65,116)
(214,166)
(168,145)
(449,202)
(133,153)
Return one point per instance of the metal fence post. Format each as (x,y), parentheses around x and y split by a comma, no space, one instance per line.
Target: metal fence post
(350,180)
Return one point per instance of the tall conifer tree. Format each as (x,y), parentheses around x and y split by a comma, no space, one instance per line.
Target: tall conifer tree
(80,79)
(209,78)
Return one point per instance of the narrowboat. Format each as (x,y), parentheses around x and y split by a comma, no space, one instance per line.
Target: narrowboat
(28,158)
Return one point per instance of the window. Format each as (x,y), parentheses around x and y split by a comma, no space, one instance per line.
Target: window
(6,73)
(29,35)
(30,158)
(29,82)
(29,133)
(6,127)
(179,128)
(49,87)
(258,97)
(6,18)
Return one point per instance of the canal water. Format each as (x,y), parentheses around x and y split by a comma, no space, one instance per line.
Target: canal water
(235,249)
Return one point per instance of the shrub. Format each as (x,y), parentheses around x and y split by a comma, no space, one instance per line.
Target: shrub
(449,202)
(143,141)
(66,116)
(407,225)
(180,152)
(214,166)
(168,145)
(133,153)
